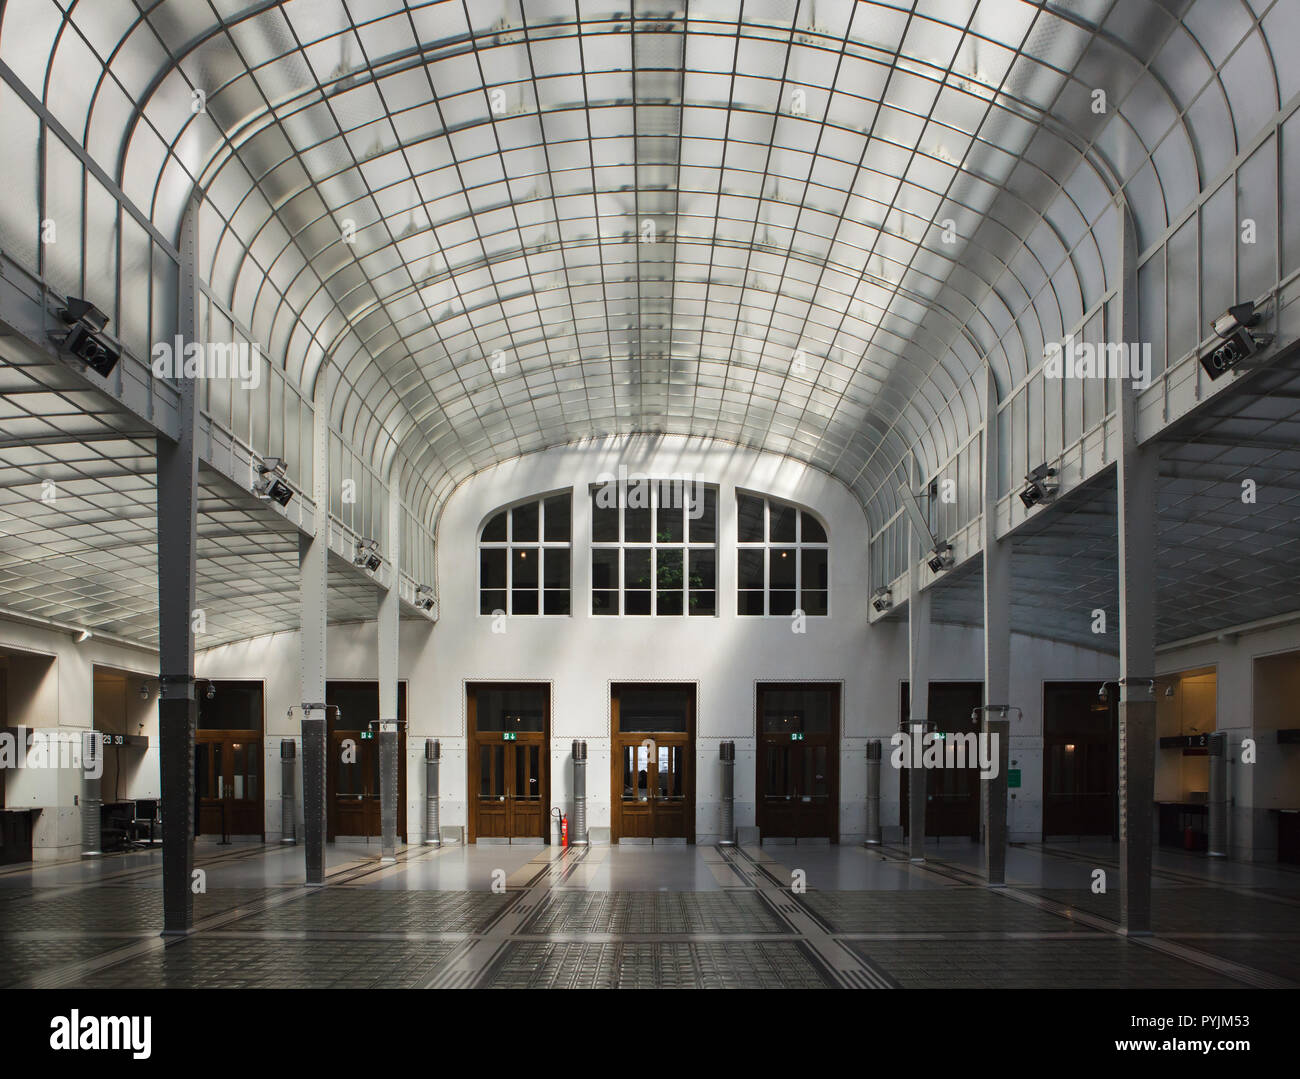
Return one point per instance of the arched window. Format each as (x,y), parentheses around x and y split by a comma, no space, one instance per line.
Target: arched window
(782,559)
(524,557)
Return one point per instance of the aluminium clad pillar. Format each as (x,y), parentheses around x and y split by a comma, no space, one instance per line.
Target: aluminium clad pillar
(313,582)
(1137,471)
(997,646)
(389,623)
(177,510)
(918,674)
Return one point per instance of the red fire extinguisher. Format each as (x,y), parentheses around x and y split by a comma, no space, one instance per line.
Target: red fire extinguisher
(564,830)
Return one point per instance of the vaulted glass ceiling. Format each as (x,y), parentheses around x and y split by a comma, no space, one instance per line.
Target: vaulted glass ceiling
(798,226)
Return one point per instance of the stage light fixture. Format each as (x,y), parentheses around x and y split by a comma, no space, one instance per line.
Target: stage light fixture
(882,599)
(940,557)
(1233,328)
(367,556)
(270,485)
(424,597)
(1041,486)
(86,339)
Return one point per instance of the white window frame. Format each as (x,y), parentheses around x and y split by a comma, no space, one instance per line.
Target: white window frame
(654,546)
(509,544)
(767,543)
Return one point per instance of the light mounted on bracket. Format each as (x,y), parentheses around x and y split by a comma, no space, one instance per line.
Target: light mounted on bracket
(1000,709)
(424,597)
(86,339)
(882,599)
(367,556)
(940,557)
(1041,486)
(1233,328)
(1103,694)
(270,485)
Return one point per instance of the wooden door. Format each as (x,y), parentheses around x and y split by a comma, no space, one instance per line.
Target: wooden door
(798,760)
(509,728)
(228,780)
(652,766)
(952,795)
(353,793)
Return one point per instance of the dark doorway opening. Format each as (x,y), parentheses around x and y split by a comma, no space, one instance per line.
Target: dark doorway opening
(798,760)
(228,759)
(1080,761)
(952,795)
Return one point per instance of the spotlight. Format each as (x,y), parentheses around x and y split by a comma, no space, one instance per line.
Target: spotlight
(144,691)
(424,597)
(1233,328)
(84,636)
(1103,694)
(1169,691)
(367,556)
(1041,486)
(882,599)
(940,557)
(87,339)
(270,484)
(212,691)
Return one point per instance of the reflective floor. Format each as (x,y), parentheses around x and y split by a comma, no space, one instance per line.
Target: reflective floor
(650,917)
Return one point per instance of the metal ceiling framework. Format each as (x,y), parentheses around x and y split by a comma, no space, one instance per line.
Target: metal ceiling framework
(798,226)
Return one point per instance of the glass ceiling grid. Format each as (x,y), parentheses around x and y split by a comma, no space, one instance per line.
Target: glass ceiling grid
(978,109)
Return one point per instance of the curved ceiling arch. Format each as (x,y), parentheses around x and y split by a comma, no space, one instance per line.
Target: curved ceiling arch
(794,160)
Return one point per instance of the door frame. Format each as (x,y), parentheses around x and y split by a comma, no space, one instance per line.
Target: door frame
(245,734)
(331,779)
(472,742)
(617,740)
(833,756)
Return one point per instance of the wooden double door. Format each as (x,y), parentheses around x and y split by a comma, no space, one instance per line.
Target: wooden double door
(798,760)
(952,795)
(352,781)
(509,731)
(653,774)
(228,782)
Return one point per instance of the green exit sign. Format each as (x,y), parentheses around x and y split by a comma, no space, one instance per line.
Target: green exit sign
(509,736)
(365,735)
(1013,777)
(796,736)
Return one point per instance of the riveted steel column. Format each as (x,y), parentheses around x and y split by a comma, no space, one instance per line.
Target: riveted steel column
(177,510)
(727,804)
(579,837)
(997,646)
(918,663)
(1218,847)
(388,629)
(92,768)
(432,825)
(288,802)
(873,792)
(1137,471)
(313,573)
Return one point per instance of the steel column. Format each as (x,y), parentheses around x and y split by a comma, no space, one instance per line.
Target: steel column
(873,792)
(918,675)
(313,580)
(389,623)
(997,645)
(177,514)
(1137,471)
